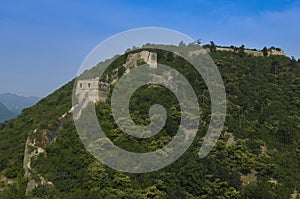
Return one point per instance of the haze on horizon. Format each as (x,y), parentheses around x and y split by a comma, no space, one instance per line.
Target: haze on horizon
(43,43)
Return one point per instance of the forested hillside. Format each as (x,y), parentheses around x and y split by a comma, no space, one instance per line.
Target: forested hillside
(257,155)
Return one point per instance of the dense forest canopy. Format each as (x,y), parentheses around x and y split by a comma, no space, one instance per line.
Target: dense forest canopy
(257,155)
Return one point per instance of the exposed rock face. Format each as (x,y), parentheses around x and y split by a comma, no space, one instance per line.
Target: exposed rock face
(26,160)
(295,195)
(148,57)
(249,178)
(34,147)
(31,150)
(5,180)
(231,140)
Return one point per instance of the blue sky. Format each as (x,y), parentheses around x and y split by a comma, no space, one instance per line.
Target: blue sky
(43,43)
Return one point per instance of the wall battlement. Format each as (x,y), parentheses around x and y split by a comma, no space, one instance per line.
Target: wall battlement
(252,52)
(92,90)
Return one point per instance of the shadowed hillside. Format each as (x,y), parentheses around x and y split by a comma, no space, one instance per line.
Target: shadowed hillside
(5,114)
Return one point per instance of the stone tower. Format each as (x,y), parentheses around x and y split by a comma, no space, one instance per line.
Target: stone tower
(152,60)
(91,90)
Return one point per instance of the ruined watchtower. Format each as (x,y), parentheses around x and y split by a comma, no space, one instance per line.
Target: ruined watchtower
(92,90)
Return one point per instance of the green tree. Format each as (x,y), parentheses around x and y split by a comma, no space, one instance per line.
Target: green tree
(265,51)
(212,47)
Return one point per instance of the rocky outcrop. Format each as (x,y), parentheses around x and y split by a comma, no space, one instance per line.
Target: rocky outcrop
(34,147)
(29,152)
(231,139)
(148,57)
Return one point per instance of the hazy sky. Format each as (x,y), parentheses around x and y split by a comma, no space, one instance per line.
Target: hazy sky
(43,42)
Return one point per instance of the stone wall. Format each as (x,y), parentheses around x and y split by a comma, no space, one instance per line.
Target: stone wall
(224,49)
(87,89)
(148,57)
(91,90)
(253,52)
(276,52)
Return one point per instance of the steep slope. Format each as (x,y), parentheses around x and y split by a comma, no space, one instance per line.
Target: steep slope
(5,114)
(257,155)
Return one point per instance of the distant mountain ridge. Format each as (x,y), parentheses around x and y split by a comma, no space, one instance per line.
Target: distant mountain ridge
(5,114)
(16,103)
